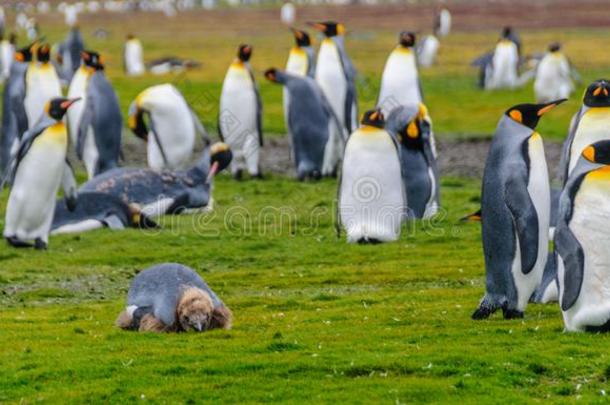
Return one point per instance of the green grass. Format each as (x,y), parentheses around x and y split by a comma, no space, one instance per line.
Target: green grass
(316,320)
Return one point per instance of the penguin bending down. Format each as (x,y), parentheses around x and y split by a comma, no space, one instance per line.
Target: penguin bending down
(69,53)
(96,123)
(39,169)
(553,76)
(336,75)
(41,85)
(14,120)
(173,126)
(171,297)
(161,193)
(515,212)
(98,210)
(400,81)
(240,118)
(312,125)
(371,193)
(581,242)
(133,63)
(589,125)
(411,130)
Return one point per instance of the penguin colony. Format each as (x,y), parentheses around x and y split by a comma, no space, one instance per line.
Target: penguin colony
(386,163)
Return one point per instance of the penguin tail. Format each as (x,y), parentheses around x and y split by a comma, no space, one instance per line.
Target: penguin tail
(475,216)
(485,309)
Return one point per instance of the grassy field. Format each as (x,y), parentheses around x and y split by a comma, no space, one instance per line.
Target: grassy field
(316,320)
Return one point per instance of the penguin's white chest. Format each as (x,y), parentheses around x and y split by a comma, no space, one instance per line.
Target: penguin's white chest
(42,84)
(331,77)
(399,83)
(590,224)
(371,196)
(78,88)
(593,127)
(238,110)
(133,58)
(297,63)
(504,66)
(553,78)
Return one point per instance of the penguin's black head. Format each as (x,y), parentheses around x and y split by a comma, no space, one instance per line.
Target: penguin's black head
(275,75)
(24,54)
(244,53)
(220,158)
(92,59)
(12,38)
(406,39)
(135,121)
(301,37)
(329,28)
(130,36)
(373,118)
(507,32)
(529,114)
(599,152)
(555,47)
(57,107)
(43,53)
(597,94)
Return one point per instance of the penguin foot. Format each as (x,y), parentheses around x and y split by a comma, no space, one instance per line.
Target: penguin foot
(316,175)
(258,176)
(603,328)
(16,242)
(482,312)
(238,174)
(512,313)
(39,244)
(368,241)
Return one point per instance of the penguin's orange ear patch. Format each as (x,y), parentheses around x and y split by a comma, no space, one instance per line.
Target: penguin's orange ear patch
(516,115)
(412,130)
(85,56)
(589,153)
(19,57)
(374,116)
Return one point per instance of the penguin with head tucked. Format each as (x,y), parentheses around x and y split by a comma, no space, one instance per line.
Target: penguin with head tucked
(515,212)
(589,125)
(14,119)
(40,167)
(166,192)
(336,75)
(69,53)
(133,62)
(41,84)
(554,75)
(240,117)
(372,198)
(581,242)
(311,124)
(400,80)
(173,126)
(411,129)
(96,122)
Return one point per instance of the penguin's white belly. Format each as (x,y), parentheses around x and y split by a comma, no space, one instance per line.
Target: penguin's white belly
(238,109)
(176,131)
(427,56)
(504,71)
(593,127)
(539,190)
(32,198)
(331,78)
(552,79)
(371,195)
(133,59)
(78,88)
(399,83)
(42,85)
(90,153)
(297,63)
(590,224)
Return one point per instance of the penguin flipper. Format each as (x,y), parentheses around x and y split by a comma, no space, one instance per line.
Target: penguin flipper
(199,128)
(571,253)
(259,107)
(525,219)
(83,127)
(69,185)
(114,222)
(26,143)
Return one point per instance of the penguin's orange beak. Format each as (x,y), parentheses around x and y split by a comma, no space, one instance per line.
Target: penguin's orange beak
(66,104)
(318,26)
(552,105)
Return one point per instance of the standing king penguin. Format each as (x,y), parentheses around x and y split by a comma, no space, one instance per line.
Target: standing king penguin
(301,59)
(371,193)
(589,125)
(410,126)
(240,118)
(7,55)
(581,242)
(69,53)
(400,81)
(133,62)
(554,76)
(173,126)
(336,75)
(95,123)
(41,85)
(40,167)
(515,212)
(311,123)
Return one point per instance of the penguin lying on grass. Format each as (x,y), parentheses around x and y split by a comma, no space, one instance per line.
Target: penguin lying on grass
(582,238)
(166,192)
(515,212)
(171,297)
(39,168)
(312,124)
(98,210)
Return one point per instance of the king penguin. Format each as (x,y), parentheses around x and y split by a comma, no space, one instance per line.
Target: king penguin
(400,80)
(515,212)
(40,167)
(173,126)
(240,118)
(371,193)
(581,242)
(133,62)
(589,125)
(553,76)
(41,85)
(301,59)
(69,53)
(7,55)
(95,123)
(501,71)
(311,123)
(336,74)
(412,130)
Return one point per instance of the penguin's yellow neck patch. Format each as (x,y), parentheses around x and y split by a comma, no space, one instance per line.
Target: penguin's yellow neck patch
(598,110)
(601,174)
(57,133)
(404,50)
(238,64)
(369,129)
(297,51)
(535,136)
